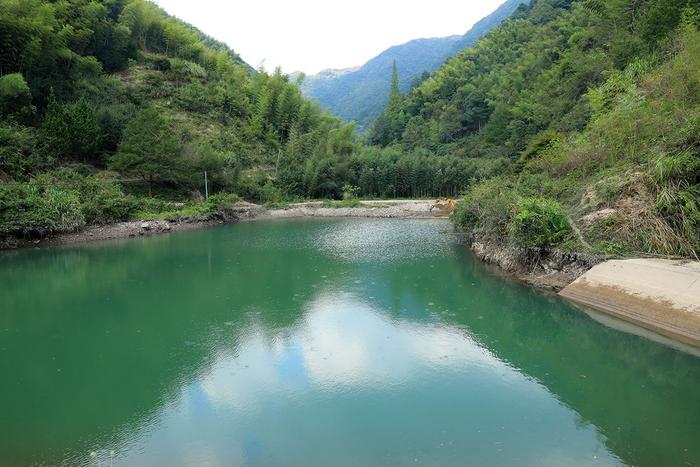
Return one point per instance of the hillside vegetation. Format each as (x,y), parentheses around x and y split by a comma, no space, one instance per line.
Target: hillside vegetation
(113,110)
(572,125)
(105,101)
(360,94)
(597,107)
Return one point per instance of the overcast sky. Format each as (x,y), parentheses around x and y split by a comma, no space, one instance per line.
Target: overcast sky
(312,35)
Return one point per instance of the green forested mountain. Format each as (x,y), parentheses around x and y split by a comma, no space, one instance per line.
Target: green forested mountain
(360,94)
(111,109)
(596,103)
(574,124)
(103,98)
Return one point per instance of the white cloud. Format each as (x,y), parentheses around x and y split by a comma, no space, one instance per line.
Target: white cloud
(310,35)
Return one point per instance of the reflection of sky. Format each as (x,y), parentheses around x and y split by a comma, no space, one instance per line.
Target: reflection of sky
(344,357)
(343,344)
(348,343)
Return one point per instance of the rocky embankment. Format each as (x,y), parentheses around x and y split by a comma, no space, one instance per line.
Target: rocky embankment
(550,269)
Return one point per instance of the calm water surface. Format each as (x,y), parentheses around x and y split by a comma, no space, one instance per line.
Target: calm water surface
(319,343)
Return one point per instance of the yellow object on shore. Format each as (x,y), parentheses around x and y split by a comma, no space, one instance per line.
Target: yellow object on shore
(444,204)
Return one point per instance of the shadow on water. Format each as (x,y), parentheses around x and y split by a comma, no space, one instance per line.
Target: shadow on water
(98,341)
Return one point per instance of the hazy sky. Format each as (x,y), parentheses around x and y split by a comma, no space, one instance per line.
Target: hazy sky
(311,35)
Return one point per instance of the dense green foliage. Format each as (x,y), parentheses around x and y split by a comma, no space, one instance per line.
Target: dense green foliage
(149,149)
(387,173)
(495,209)
(596,105)
(532,74)
(360,94)
(37,206)
(149,103)
(630,179)
(63,200)
(539,223)
(120,85)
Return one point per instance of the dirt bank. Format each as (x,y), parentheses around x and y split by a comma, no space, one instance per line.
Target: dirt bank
(548,269)
(110,232)
(408,209)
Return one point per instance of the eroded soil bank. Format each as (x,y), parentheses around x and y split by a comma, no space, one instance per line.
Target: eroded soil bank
(551,269)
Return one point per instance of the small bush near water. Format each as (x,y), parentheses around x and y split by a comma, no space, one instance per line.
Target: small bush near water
(487,208)
(348,203)
(539,223)
(152,208)
(62,201)
(495,210)
(35,208)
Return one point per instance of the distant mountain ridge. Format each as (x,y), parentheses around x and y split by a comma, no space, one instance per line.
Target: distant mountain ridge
(360,94)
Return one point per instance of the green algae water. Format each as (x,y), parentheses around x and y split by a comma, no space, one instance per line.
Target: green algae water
(319,343)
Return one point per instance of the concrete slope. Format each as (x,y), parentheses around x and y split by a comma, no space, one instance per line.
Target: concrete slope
(660,295)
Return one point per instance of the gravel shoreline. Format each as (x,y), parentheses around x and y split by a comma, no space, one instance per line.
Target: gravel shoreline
(243,212)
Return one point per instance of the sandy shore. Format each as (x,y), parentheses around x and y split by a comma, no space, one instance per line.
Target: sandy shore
(395,209)
(388,209)
(659,295)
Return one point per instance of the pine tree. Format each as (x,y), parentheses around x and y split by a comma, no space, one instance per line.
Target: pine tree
(150,149)
(54,129)
(83,132)
(389,126)
(395,97)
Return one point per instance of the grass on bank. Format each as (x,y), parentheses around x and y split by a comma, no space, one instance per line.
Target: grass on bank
(68,199)
(346,203)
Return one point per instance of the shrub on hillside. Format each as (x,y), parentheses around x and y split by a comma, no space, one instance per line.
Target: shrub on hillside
(101,198)
(62,201)
(539,223)
(103,201)
(15,96)
(223,201)
(677,180)
(540,143)
(37,208)
(487,207)
(18,154)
